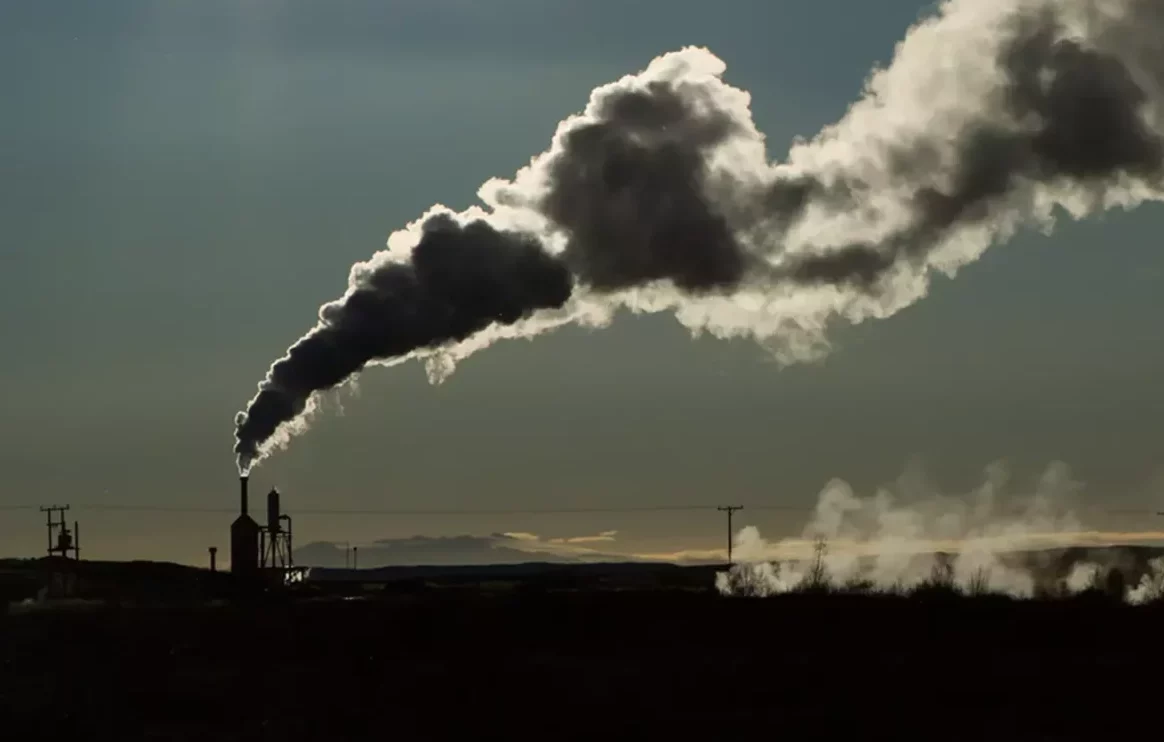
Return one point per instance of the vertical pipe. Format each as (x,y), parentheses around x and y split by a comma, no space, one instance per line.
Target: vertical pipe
(213,559)
(77,540)
(273,511)
(242,483)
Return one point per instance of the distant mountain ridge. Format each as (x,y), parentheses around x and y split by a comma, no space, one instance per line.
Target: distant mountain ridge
(496,549)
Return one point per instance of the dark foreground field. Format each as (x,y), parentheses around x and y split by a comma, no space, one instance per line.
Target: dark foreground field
(581,665)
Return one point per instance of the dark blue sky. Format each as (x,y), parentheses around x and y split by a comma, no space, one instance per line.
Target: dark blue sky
(183,183)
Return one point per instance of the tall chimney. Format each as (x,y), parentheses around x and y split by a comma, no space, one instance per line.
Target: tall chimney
(242,483)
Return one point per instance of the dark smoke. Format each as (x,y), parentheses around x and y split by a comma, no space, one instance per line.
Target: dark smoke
(460,280)
(994,115)
(629,191)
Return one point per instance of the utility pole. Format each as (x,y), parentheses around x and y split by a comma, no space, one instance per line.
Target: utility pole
(729,509)
(60,540)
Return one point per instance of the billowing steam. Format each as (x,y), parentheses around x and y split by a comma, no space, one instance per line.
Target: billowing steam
(994,115)
(997,538)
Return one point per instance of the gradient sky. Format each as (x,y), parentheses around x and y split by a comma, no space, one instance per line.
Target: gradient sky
(184,182)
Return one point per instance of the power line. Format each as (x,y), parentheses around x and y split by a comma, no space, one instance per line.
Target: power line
(399,511)
(128,507)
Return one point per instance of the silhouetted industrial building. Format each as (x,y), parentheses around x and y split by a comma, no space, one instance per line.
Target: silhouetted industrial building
(244,537)
(264,549)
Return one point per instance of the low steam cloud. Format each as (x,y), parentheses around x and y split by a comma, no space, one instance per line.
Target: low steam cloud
(999,538)
(660,196)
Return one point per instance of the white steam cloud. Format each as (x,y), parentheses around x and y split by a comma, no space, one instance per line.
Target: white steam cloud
(998,538)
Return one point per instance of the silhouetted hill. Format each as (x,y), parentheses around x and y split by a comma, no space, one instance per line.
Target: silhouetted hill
(583,576)
(145,581)
(138,581)
(456,550)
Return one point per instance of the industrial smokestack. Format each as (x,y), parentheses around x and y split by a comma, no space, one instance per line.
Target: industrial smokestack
(244,536)
(993,115)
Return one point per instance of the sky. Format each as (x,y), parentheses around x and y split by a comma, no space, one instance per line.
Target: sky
(183,183)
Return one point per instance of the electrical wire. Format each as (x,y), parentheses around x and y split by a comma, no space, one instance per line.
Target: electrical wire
(478,512)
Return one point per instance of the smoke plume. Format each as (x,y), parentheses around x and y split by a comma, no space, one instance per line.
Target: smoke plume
(660,196)
(996,538)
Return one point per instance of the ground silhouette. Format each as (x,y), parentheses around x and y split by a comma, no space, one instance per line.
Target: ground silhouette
(561,657)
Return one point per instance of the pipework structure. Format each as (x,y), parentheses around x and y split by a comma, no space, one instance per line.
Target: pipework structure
(275,542)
